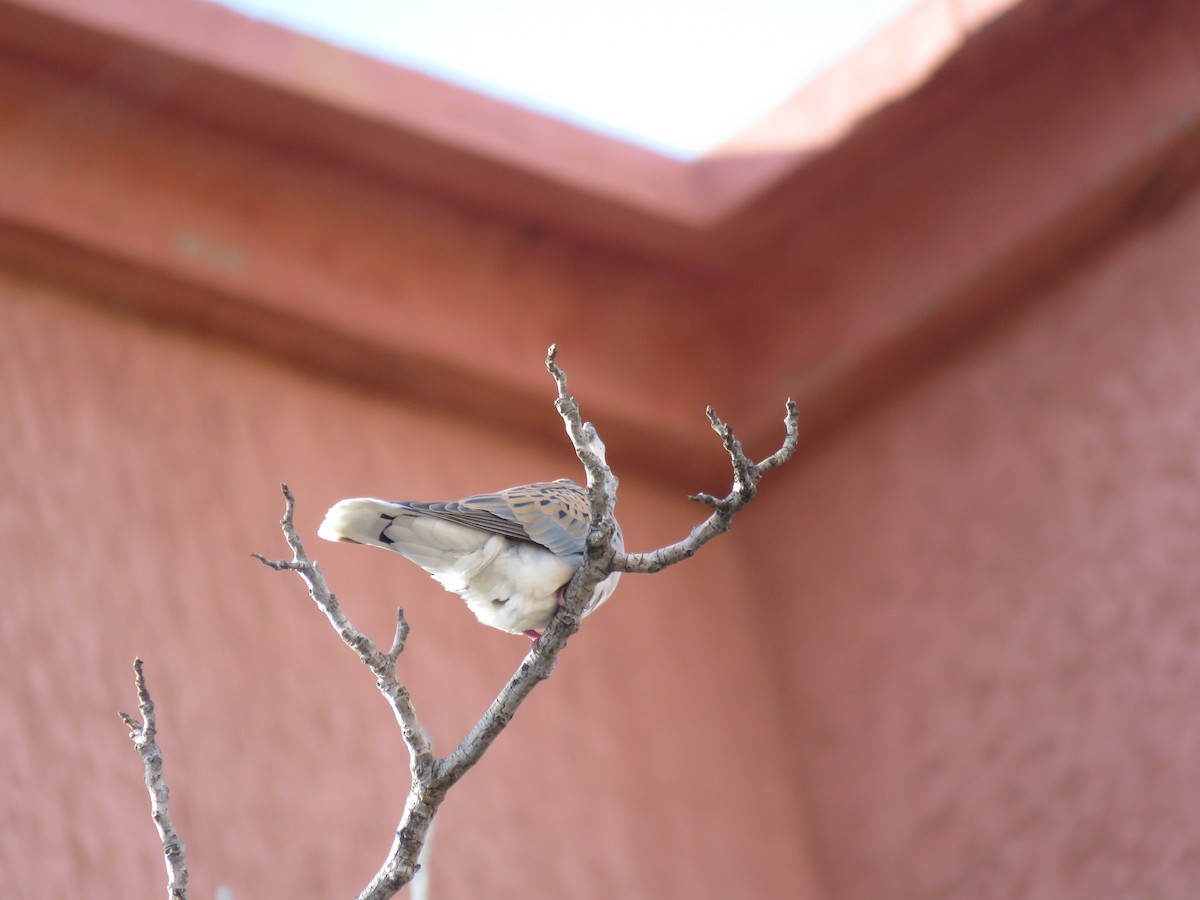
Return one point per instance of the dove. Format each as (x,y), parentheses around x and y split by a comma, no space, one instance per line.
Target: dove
(509,555)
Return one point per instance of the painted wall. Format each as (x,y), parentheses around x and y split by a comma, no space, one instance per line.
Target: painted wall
(139,470)
(946,654)
(987,602)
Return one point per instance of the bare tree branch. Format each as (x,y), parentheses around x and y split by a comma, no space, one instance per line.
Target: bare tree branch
(433,777)
(425,794)
(382,664)
(144,739)
(600,556)
(746,475)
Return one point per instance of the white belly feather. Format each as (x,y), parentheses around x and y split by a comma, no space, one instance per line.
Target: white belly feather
(510,585)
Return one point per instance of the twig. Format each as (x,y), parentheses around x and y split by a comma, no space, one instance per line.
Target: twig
(425,794)
(602,494)
(143,736)
(746,476)
(381,663)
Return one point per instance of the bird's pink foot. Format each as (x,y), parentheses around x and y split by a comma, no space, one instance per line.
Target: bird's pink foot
(533,636)
(561,594)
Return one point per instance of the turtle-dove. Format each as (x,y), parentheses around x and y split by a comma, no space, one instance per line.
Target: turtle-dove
(509,554)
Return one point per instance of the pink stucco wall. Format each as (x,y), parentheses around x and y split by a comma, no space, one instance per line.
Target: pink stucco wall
(946,654)
(140,469)
(985,609)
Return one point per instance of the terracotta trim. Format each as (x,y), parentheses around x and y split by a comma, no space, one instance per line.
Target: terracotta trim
(225,65)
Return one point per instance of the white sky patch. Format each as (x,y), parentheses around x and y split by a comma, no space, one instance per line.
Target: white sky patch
(678,76)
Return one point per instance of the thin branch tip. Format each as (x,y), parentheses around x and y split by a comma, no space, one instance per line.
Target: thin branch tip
(717,423)
(144,737)
(400,638)
(289,505)
(284,565)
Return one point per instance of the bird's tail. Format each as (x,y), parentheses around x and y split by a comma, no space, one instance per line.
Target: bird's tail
(361,520)
(437,546)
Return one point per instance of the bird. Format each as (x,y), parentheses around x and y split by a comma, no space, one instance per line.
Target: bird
(509,554)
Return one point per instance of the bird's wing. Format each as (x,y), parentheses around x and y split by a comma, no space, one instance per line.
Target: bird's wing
(551,513)
(455,511)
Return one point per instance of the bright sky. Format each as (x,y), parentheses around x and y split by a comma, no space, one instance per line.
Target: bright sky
(678,76)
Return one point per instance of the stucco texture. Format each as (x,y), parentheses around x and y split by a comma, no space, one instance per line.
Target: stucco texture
(139,470)
(984,611)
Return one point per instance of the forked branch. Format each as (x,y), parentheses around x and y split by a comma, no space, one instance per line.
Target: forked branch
(433,777)
(602,482)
